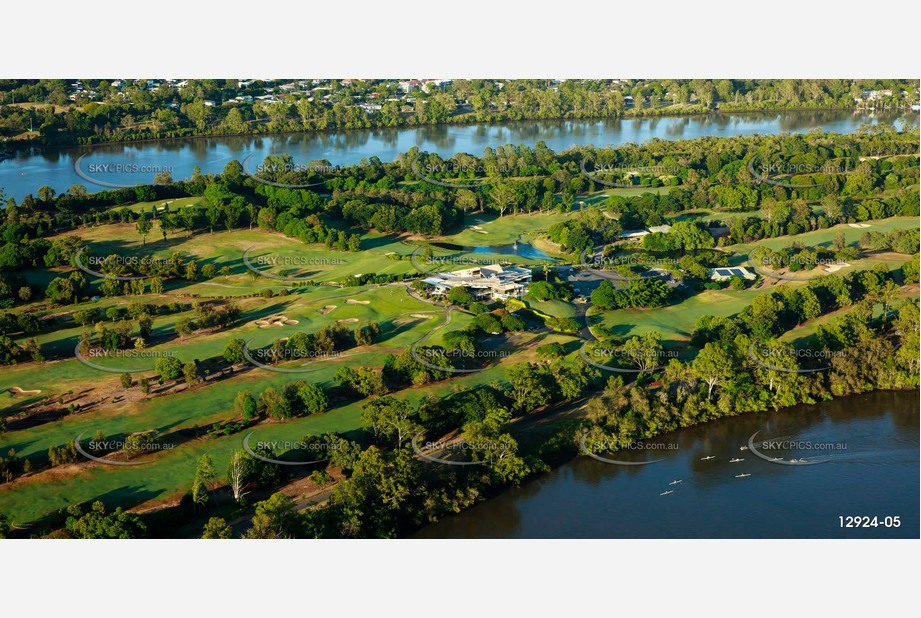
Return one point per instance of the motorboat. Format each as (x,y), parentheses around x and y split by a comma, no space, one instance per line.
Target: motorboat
(666,492)
(735,460)
(742,476)
(708,457)
(675,482)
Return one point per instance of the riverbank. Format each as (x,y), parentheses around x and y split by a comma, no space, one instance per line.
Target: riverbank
(13,146)
(874,474)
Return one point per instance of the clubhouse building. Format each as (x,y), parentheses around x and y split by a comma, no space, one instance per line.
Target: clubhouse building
(490,282)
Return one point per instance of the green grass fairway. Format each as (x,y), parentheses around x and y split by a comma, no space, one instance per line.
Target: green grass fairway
(825,237)
(174,204)
(273,253)
(676,322)
(597,198)
(505,230)
(173,470)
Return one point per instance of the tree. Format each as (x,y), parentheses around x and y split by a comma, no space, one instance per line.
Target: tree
(191,374)
(204,476)
(605,295)
(275,403)
(46,193)
(233,351)
(217,528)
(214,214)
(245,405)
(312,398)
(169,367)
(530,388)
(714,366)
(143,225)
(644,351)
(275,518)
(390,419)
(460,296)
(237,470)
(4,526)
(184,326)
(504,195)
(97,524)
(126,380)
(145,326)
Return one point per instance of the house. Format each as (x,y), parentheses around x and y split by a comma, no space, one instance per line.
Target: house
(409,85)
(657,229)
(435,84)
(489,282)
(208,103)
(722,274)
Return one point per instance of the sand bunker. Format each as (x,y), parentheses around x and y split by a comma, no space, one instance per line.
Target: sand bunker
(833,268)
(275,320)
(424,316)
(347,320)
(352,301)
(18,392)
(859,224)
(327,309)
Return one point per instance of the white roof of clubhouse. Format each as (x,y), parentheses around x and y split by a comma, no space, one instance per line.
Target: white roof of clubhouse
(502,281)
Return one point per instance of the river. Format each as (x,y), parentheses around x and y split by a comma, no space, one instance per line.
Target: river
(28,170)
(873,471)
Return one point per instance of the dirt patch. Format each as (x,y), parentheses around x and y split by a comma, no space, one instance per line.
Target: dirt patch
(327,309)
(18,392)
(352,301)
